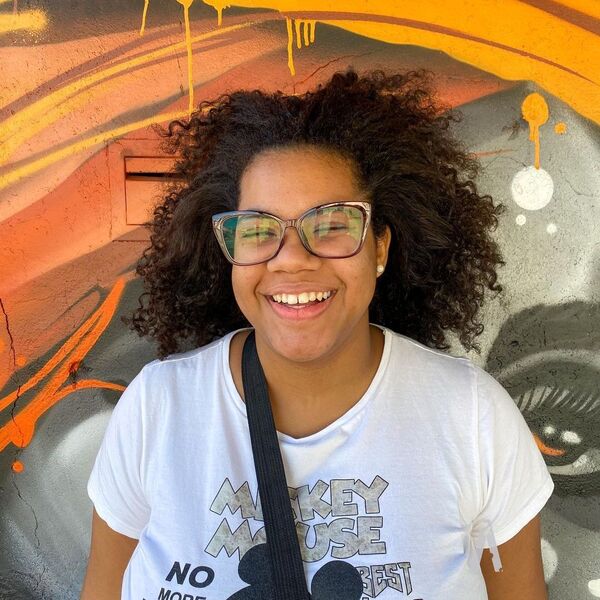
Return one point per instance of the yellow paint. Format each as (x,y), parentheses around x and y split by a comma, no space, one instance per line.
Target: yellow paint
(506,62)
(308,29)
(15,175)
(30,20)
(297,23)
(20,428)
(188,42)
(25,123)
(507,23)
(511,39)
(535,112)
(218,5)
(18,466)
(290,46)
(560,128)
(505,30)
(143,27)
(303,29)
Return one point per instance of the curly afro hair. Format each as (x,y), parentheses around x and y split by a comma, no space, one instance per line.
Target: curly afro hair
(418,177)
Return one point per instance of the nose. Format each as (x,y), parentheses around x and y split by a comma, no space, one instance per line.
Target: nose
(292,255)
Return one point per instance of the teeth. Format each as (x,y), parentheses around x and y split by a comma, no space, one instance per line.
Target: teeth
(302,298)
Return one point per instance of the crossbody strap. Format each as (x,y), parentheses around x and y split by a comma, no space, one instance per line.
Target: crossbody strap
(282,540)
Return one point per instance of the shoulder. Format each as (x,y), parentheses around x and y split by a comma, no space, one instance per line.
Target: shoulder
(424,352)
(458,382)
(427,362)
(163,381)
(205,358)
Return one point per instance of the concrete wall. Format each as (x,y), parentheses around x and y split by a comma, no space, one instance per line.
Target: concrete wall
(81,85)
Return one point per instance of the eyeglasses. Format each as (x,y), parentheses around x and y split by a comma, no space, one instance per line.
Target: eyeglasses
(335,230)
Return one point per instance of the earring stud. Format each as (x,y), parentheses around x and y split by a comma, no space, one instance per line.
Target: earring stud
(380,269)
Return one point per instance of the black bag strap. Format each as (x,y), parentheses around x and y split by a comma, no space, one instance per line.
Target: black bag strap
(282,540)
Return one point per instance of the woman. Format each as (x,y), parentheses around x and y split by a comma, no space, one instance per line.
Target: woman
(344,227)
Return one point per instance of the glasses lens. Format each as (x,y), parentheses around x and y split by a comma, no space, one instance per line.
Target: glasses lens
(251,238)
(334,231)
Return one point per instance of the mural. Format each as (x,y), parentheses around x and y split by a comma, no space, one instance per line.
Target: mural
(80,167)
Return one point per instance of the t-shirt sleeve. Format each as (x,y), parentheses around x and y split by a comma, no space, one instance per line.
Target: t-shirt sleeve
(515,482)
(116,485)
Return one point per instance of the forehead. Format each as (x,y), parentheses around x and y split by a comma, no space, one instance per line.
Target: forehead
(286,182)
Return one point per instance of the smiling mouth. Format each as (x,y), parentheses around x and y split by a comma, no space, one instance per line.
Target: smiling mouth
(307,303)
(301,299)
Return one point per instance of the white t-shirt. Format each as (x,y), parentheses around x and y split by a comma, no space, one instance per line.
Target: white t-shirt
(394,499)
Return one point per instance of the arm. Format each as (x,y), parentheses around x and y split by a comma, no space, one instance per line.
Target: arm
(109,555)
(522,574)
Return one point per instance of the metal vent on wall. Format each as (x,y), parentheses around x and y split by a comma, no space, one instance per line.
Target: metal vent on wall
(146,178)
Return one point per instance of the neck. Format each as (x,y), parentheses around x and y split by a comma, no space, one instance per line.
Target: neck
(305,397)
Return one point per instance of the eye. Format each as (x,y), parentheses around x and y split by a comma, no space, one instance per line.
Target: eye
(259,234)
(330,227)
(564,420)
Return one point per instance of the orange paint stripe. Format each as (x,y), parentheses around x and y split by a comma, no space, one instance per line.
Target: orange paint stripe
(81,339)
(547,450)
(19,430)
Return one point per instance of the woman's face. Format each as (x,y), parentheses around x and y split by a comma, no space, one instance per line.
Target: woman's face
(286,183)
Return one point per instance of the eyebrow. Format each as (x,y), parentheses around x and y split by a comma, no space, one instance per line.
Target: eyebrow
(360,197)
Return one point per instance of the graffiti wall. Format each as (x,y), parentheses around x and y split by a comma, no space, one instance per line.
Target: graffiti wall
(82,83)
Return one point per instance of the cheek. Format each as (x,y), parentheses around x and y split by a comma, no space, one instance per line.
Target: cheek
(366,269)
(361,280)
(243,283)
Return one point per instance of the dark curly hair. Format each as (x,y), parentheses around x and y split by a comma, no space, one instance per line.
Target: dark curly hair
(418,177)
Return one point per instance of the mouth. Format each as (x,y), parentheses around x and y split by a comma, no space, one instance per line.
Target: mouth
(302,298)
(301,306)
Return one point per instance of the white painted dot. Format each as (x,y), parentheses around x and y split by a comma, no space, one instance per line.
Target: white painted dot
(521,219)
(594,587)
(570,437)
(551,228)
(532,188)
(550,560)
(549,430)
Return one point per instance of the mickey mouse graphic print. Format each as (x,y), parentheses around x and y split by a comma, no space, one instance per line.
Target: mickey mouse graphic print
(395,499)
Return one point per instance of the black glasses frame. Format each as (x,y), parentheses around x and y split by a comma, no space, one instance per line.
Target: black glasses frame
(219,219)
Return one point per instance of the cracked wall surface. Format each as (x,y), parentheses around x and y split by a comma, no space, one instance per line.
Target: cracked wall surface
(81,92)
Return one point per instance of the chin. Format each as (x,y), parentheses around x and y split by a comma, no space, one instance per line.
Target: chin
(299,350)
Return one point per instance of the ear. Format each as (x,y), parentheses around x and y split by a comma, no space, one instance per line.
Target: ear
(383,246)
